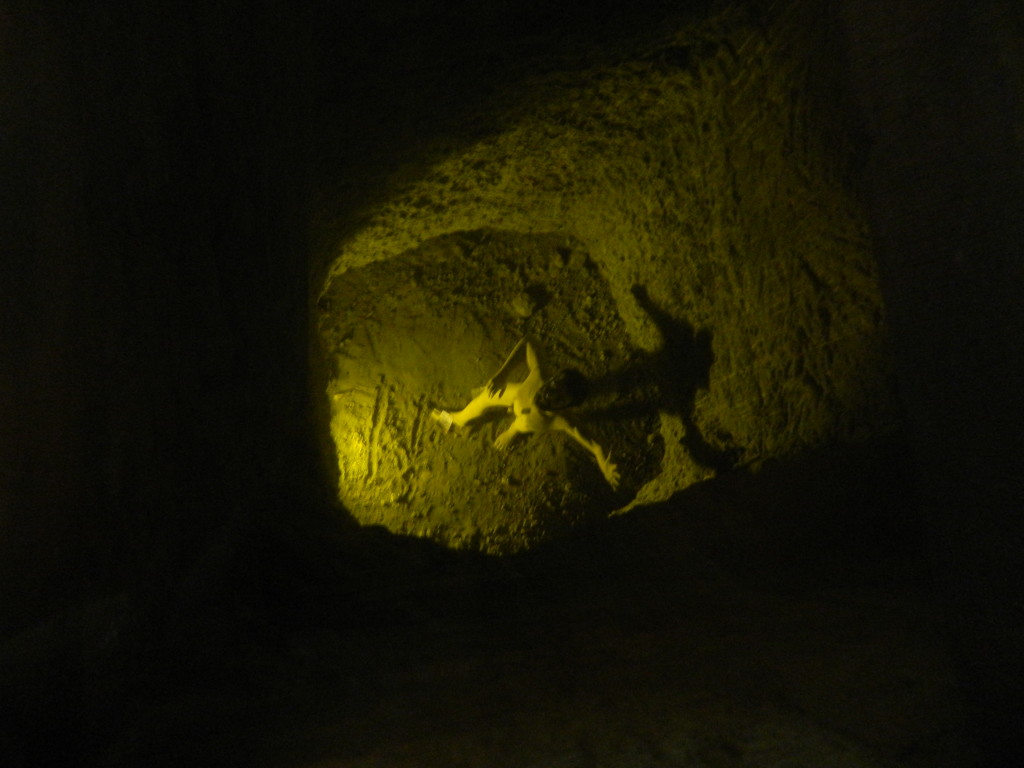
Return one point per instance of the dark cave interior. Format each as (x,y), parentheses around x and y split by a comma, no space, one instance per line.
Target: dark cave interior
(179,586)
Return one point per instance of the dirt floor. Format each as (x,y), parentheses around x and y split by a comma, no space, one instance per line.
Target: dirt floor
(662,638)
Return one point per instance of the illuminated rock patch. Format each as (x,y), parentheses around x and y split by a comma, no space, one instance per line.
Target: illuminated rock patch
(709,195)
(426,329)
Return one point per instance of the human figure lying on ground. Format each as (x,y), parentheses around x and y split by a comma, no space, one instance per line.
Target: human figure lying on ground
(534,402)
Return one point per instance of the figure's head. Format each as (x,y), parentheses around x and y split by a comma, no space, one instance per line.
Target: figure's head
(563,390)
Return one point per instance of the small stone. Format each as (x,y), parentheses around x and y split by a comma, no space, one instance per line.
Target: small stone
(523,304)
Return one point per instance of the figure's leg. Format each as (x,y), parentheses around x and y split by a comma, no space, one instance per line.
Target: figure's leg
(506,437)
(604,460)
(479,405)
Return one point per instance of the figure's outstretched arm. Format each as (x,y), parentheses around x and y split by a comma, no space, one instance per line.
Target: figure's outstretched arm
(497,383)
(604,462)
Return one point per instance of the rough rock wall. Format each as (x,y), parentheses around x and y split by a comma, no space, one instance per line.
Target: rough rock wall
(155,261)
(940,87)
(706,174)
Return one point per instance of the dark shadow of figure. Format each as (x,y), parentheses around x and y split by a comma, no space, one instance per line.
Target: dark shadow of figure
(666,380)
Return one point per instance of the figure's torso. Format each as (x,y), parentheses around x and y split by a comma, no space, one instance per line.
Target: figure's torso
(529,418)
